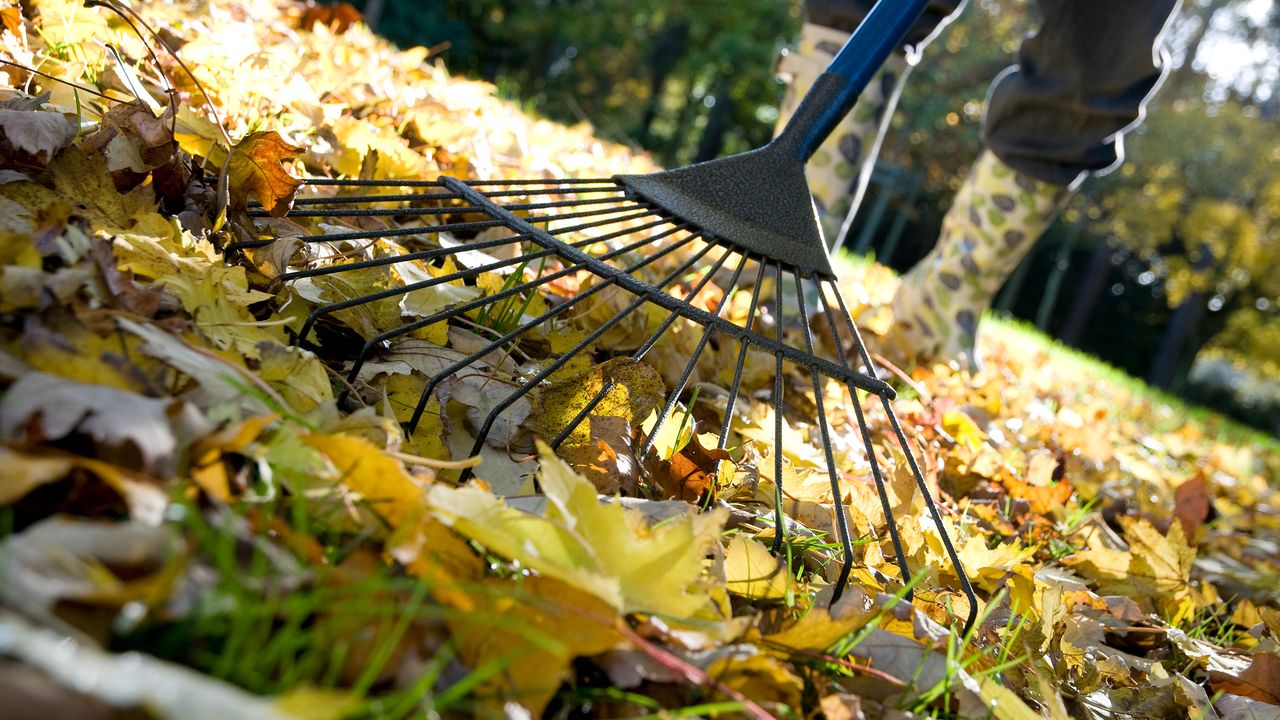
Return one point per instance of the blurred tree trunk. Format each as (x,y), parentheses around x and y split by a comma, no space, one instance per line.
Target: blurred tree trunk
(1091,289)
(668,48)
(712,140)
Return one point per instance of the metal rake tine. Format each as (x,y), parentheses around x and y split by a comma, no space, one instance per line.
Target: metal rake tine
(742,360)
(310,211)
(678,389)
(546,372)
(965,585)
(637,355)
(372,343)
(407,197)
(877,475)
(421,211)
(842,520)
(779,523)
(439,377)
(395,259)
(331,308)
(374,234)
(441,252)
(319,312)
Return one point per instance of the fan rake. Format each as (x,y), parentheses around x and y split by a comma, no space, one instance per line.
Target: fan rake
(664,243)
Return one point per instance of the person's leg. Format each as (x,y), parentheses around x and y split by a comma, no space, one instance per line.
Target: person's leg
(1080,82)
(833,172)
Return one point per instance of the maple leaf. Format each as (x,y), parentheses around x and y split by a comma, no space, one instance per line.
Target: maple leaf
(255,170)
(602,548)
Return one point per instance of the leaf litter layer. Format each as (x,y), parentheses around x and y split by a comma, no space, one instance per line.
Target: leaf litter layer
(189,511)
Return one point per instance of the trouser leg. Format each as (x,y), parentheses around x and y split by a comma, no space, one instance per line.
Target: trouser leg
(1080,82)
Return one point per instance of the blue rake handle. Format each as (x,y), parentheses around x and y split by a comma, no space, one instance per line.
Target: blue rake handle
(836,90)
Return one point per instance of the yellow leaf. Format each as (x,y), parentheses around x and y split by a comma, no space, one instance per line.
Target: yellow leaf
(24,473)
(962,427)
(526,634)
(760,678)
(989,566)
(819,629)
(637,390)
(601,548)
(381,481)
(311,703)
(207,467)
(752,571)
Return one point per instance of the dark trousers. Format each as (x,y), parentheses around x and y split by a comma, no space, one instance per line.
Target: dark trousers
(1080,81)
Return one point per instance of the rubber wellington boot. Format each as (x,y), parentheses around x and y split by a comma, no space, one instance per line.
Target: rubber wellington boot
(993,222)
(833,170)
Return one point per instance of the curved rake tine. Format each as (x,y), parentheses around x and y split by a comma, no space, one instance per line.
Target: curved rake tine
(742,360)
(439,377)
(678,389)
(638,354)
(461,248)
(319,312)
(424,211)
(374,234)
(372,343)
(546,372)
(779,524)
(877,475)
(331,308)
(842,519)
(965,585)
(395,259)
(429,196)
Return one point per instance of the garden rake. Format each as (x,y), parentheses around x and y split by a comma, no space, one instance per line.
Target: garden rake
(745,220)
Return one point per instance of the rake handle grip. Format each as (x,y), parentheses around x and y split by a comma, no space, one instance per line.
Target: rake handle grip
(836,90)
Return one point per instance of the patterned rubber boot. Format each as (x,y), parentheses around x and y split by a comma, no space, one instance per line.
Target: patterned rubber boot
(833,170)
(993,222)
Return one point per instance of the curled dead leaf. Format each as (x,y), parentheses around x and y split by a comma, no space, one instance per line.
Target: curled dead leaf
(338,17)
(255,170)
(1260,681)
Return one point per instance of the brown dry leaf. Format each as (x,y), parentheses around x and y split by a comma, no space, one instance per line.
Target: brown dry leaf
(1040,490)
(338,17)
(1260,681)
(690,474)
(609,460)
(100,563)
(35,133)
(255,170)
(27,471)
(42,407)
(1192,501)
(145,301)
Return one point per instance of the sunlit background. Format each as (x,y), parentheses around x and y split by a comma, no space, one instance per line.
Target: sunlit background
(1165,269)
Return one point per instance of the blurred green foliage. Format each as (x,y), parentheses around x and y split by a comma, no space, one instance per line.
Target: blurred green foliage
(686,79)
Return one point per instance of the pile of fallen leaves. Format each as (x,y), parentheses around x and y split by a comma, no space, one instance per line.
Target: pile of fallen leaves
(196,520)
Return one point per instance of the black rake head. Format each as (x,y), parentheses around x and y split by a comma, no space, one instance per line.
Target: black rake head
(578,242)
